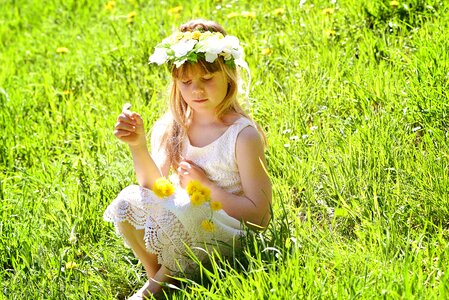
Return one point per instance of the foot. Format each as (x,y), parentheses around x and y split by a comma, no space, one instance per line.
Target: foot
(142,293)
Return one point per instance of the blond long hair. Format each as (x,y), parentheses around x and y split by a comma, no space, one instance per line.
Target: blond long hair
(180,113)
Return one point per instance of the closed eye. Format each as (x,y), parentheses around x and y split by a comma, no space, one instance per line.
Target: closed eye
(206,79)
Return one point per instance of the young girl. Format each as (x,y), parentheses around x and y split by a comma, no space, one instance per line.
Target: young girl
(208,144)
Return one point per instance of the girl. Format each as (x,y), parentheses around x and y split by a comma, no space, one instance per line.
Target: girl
(208,144)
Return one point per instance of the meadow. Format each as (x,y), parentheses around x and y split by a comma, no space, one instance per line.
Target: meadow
(353,96)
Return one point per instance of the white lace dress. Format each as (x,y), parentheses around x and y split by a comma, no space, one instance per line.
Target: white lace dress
(172,225)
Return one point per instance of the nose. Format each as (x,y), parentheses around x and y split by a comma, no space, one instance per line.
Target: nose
(197,90)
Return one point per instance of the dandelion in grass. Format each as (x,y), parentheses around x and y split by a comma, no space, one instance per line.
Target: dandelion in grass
(278,12)
(71,265)
(267,51)
(248,14)
(394,4)
(67,92)
(208,225)
(62,50)
(215,205)
(109,5)
(328,11)
(232,15)
(330,33)
(131,17)
(163,188)
(175,10)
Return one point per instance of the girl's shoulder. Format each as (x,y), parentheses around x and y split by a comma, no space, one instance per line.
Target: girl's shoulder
(236,119)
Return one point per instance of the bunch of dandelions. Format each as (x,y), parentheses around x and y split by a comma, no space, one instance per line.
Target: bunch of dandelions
(199,195)
(163,188)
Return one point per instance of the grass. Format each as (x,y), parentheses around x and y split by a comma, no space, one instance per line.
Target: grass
(353,98)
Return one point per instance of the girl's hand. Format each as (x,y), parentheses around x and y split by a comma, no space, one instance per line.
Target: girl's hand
(130,129)
(189,171)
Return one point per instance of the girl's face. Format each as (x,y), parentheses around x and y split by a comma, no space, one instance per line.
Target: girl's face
(202,91)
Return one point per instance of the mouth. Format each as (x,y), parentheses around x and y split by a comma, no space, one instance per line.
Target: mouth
(200,100)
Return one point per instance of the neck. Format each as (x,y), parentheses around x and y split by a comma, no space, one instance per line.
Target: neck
(205,118)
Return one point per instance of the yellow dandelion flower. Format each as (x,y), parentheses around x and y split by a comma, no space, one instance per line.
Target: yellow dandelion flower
(67,92)
(215,205)
(208,225)
(278,12)
(232,15)
(196,35)
(193,186)
(71,265)
(330,33)
(187,35)
(206,193)
(394,4)
(132,15)
(267,51)
(197,199)
(248,14)
(163,188)
(175,10)
(62,50)
(110,5)
(328,11)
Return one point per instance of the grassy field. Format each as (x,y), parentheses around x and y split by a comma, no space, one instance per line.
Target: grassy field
(353,96)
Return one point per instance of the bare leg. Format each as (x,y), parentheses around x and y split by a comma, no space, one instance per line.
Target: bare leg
(154,284)
(135,239)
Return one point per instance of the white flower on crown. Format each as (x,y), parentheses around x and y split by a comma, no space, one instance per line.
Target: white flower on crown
(183,47)
(180,47)
(159,56)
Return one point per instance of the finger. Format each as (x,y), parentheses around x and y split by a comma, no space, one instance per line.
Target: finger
(182,171)
(137,118)
(125,126)
(129,114)
(121,133)
(123,117)
(185,165)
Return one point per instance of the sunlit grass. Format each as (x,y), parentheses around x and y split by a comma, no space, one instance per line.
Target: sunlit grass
(353,98)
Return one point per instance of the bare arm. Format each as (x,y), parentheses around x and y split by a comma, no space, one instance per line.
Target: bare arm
(130,129)
(253,207)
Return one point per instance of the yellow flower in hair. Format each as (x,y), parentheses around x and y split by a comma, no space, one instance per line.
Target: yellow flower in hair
(208,225)
(196,35)
(215,205)
(163,188)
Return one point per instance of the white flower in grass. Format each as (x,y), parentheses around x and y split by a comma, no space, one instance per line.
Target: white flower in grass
(159,56)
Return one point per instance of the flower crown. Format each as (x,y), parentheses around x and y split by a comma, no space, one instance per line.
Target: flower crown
(192,46)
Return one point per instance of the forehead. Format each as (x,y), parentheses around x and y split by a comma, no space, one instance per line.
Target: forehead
(197,69)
